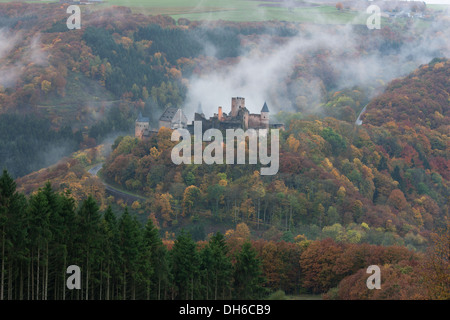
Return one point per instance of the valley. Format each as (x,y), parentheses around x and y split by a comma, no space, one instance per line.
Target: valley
(364,150)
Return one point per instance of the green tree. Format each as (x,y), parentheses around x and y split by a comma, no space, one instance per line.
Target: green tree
(130,237)
(13,234)
(185,265)
(221,267)
(88,223)
(206,273)
(58,231)
(337,142)
(248,279)
(7,189)
(39,211)
(332,216)
(111,251)
(155,254)
(68,237)
(215,192)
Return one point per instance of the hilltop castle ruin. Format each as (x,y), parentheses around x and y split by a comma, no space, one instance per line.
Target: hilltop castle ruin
(238,118)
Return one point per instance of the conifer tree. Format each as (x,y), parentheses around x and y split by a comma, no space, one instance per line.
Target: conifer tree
(12,234)
(248,278)
(206,273)
(155,255)
(221,266)
(88,230)
(111,252)
(68,241)
(185,265)
(130,238)
(39,238)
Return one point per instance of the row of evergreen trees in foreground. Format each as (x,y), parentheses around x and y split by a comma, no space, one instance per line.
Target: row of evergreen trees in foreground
(119,258)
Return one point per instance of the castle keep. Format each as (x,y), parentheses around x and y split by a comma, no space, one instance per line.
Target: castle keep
(238,118)
(142,127)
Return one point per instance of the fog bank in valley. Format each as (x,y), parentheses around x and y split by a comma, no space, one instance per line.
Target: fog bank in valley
(351,55)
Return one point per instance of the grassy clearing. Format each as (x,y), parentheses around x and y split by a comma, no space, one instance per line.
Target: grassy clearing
(322,15)
(236,10)
(280,295)
(305,297)
(240,10)
(438,7)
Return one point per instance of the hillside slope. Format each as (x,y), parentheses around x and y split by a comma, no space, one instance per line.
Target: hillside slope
(384,182)
(420,99)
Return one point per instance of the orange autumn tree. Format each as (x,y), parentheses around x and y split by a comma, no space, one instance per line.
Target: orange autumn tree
(317,263)
(235,238)
(398,282)
(436,267)
(397,199)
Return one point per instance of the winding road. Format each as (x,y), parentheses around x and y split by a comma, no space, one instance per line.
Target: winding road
(358,121)
(129,198)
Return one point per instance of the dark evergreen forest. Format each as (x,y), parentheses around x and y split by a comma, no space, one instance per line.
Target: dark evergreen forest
(29,143)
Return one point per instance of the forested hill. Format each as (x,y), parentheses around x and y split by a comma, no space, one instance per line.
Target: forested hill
(420,99)
(382,184)
(345,197)
(416,112)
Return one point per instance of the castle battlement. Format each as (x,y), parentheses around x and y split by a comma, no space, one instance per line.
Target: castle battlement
(238,118)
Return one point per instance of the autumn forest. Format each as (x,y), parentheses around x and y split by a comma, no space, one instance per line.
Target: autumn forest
(364,176)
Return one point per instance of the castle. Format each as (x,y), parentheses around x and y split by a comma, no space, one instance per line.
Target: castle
(238,118)
(142,127)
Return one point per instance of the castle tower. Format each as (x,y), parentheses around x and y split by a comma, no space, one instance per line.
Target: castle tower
(200,110)
(141,125)
(237,104)
(265,116)
(245,118)
(220,114)
(179,120)
(243,115)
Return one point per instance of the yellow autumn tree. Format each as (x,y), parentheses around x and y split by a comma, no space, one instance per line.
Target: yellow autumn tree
(136,205)
(341,193)
(163,138)
(190,196)
(46,86)
(293,143)
(154,153)
(242,231)
(165,207)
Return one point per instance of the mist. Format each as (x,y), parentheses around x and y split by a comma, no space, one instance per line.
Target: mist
(12,69)
(353,56)
(7,42)
(9,74)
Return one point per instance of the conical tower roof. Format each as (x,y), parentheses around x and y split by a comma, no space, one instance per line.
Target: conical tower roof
(199,108)
(141,118)
(265,108)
